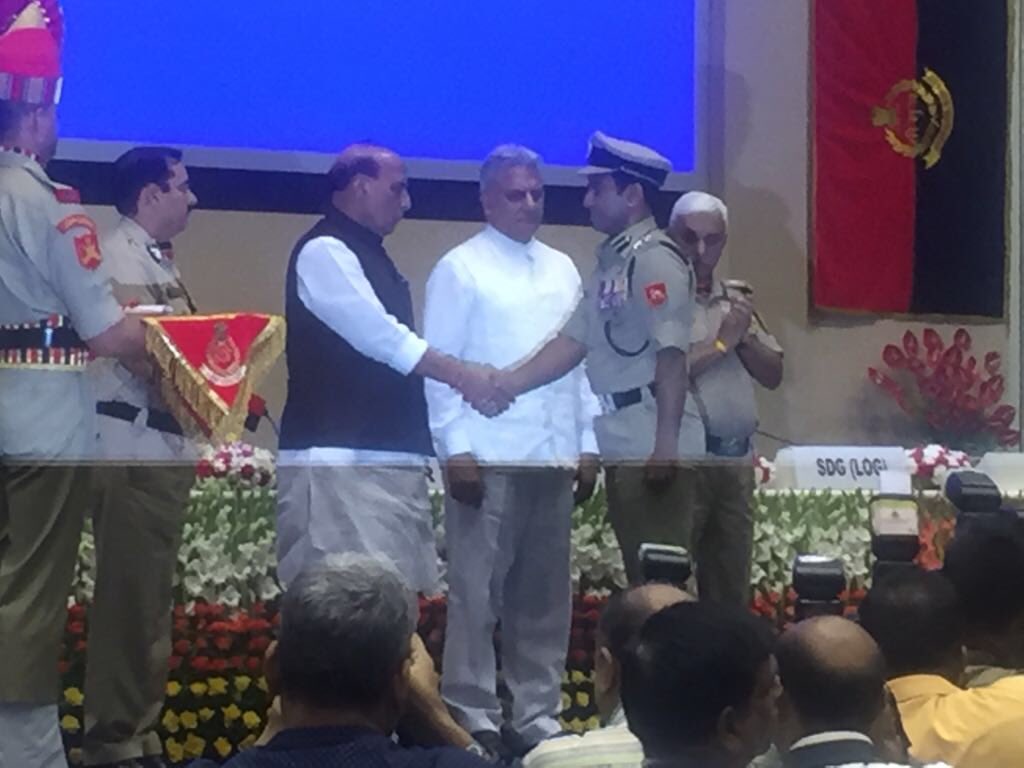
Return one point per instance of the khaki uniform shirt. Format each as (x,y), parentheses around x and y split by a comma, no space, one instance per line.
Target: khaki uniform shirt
(639,300)
(724,392)
(50,264)
(140,274)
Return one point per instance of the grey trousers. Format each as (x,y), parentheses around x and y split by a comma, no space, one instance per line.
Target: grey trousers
(383,511)
(509,561)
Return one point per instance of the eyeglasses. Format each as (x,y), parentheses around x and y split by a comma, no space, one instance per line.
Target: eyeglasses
(692,238)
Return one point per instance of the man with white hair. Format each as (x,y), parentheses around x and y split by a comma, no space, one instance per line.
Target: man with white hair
(730,351)
(348,665)
(512,480)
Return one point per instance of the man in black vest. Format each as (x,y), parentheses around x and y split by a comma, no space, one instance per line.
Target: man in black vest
(354,433)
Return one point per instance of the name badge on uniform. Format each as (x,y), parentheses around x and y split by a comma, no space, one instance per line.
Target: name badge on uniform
(611,294)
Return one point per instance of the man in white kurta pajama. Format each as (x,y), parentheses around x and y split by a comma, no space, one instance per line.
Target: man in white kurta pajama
(494,300)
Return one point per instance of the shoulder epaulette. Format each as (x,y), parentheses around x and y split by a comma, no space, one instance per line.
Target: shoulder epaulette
(67,195)
(619,243)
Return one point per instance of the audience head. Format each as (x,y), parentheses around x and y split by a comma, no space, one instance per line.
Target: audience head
(833,679)
(986,567)
(344,647)
(369,186)
(701,683)
(30,68)
(151,185)
(699,224)
(915,618)
(512,191)
(617,632)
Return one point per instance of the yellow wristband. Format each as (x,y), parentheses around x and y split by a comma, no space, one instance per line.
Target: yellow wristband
(721,346)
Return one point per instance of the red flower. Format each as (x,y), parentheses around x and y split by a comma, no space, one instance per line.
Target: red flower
(80,646)
(932,340)
(63,667)
(218,665)
(254,663)
(910,345)
(1009,438)
(76,611)
(174,662)
(223,643)
(993,361)
(76,627)
(893,356)
(235,662)
(1002,416)
(181,646)
(962,339)
(259,644)
(200,663)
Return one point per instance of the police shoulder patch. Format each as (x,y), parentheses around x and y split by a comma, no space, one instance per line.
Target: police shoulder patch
(76,220)
(67,195)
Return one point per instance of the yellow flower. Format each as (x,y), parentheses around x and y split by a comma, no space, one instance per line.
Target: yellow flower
(70,724)
(206,713)
(170,722)
(223,746)
(174,750)
(566,701)
(262,684)
(242,683)
(217,685)
(198,689)
(251,720)
(578,677)
(190,720)
(194,746)
(173,687)
(583,699)
(74,697)
(247,742)
(75,756)
(592,723)
(231,713)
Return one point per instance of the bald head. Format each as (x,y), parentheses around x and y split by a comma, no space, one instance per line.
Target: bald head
(627,611)
(832,673)
(369,185)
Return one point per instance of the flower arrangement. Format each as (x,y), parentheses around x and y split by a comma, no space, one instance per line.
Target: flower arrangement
(243,465)
(931,463)
(953,393)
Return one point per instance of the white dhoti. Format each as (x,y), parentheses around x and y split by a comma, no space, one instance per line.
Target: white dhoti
(383,511)
(509,561)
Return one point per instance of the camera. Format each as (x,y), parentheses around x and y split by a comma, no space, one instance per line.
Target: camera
(979,502)
(665,563)
(818,582)
(895,533)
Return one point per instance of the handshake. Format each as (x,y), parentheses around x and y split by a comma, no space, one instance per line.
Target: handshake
(487,389)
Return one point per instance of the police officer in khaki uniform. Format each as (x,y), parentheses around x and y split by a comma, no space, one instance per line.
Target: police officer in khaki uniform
(633,328)
(56,307)
(146,472)
(731,351)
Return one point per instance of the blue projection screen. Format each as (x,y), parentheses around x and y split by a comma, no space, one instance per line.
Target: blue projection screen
(271,85)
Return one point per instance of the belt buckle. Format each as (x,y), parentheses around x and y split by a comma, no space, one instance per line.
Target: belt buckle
(607,404)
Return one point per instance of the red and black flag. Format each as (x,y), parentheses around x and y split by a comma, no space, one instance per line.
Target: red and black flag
(909,161)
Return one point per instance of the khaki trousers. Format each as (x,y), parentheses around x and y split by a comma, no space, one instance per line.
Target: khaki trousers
(723,531)
(138,515)
(41,513)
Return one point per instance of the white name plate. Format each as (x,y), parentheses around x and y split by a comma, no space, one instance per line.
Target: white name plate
(840,468)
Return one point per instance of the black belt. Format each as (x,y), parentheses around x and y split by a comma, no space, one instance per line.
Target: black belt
(161,421)
(630,396)
(40,338)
